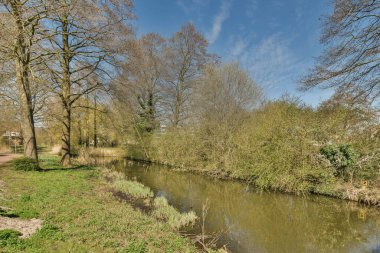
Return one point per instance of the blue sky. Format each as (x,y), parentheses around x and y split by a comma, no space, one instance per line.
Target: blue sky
(276,41)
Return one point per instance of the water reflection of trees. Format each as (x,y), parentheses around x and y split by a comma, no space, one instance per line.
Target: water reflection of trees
(268,222)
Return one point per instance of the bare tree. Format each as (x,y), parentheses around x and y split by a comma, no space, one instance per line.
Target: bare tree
(19,23)
(223,99)
(141,80)
(224,92)
(351,60)
(186,56)
(79,53)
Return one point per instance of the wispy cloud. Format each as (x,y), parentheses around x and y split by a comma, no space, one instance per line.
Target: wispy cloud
(189,6)
(251,8)
(219,19)
(271,62)
(238,47)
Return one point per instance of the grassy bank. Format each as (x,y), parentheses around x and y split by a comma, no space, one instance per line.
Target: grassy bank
(80,215)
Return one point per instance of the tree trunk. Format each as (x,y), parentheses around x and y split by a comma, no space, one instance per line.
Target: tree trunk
(80,137)
(22,50)
(66,95)
(66,133)
(26,106)
(95,130)
(87,122)
(177,110)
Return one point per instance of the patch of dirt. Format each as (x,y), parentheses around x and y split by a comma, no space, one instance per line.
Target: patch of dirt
(4,157)
(26,227)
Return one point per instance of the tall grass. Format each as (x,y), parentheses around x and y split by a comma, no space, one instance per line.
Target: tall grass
(163,211)
(132,188)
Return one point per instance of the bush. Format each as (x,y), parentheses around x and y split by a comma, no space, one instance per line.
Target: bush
(342,157)
(25,164)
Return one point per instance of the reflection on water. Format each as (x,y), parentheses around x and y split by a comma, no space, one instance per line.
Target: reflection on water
(265,222)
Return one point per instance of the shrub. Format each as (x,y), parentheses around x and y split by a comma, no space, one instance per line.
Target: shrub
(163,211)
(342,157)
(25,164)
(132,188)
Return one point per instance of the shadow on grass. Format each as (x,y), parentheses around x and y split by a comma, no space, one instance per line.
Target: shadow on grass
(79,167)
(8,214)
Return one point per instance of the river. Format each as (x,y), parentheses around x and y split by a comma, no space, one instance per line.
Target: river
(254,221)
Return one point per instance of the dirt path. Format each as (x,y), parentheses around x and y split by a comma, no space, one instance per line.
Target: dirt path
(6,157)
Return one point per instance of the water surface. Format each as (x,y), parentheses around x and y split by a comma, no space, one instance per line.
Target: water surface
(262,221)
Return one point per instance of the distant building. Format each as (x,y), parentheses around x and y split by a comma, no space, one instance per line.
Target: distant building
(12,138)
(14,135)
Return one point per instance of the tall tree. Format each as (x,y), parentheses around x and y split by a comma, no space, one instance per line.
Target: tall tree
(141,80)
(351,60)
(185,58)
(80,55)
(223,98)
(19,23)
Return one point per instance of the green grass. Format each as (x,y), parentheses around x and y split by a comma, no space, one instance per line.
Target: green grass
(132,188)
(80,215)
(9,238)
(25,164)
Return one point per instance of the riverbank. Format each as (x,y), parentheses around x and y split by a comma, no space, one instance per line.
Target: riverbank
(363,192)
(79,214)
